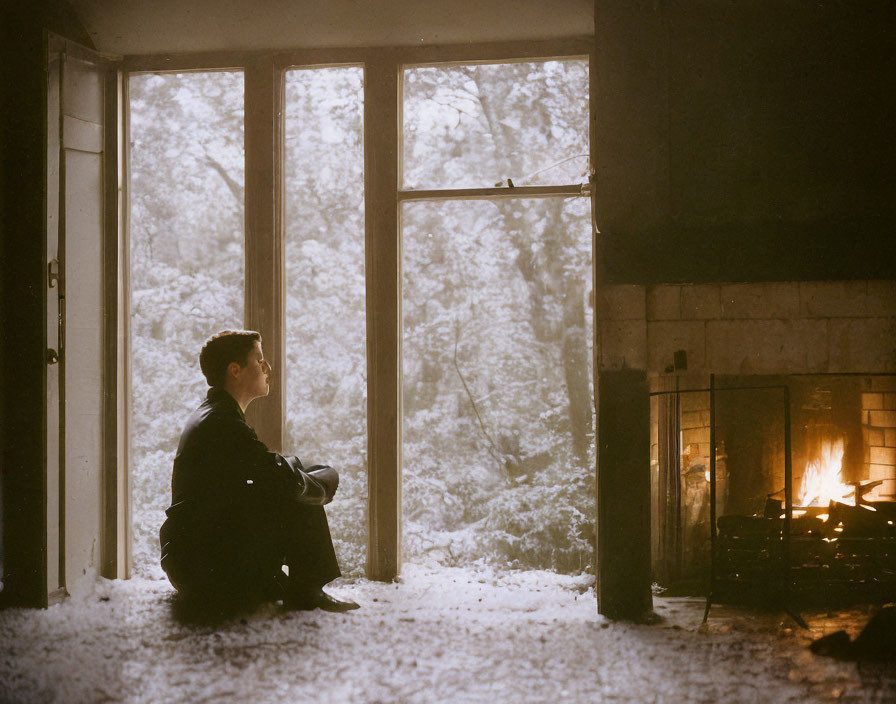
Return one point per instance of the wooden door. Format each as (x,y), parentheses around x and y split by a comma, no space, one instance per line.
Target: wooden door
(78,317)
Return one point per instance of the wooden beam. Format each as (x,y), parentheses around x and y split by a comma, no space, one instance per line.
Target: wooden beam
(623,495)
(403,55)
(264,259)
(515,192)
(382,260)
(111,204)
(124,337)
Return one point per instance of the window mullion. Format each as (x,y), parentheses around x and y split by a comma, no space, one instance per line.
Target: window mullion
(381,129)
(264,256)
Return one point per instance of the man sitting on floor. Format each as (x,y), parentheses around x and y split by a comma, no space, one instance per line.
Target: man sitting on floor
(240,512)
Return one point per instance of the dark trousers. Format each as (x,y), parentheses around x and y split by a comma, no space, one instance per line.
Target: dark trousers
(242,562)
(309,552)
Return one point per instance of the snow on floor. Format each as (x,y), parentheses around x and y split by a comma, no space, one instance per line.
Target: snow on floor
(439,635)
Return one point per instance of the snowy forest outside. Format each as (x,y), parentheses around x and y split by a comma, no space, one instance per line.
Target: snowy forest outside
(498,422)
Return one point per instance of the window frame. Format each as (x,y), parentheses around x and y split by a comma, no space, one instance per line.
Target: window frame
(264,74)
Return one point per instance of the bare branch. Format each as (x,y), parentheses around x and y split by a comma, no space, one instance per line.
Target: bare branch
(495,453)
(235,189)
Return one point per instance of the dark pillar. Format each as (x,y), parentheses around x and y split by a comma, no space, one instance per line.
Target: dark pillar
(623,495)
(23,329)
(23,345)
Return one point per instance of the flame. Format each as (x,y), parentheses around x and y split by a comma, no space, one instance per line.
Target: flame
(821,479)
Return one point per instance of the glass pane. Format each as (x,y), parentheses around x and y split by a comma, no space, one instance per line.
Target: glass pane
(187,253)
(498,439)
(326,354)
(475,126)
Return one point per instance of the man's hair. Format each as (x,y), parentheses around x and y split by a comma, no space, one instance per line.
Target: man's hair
(221,349)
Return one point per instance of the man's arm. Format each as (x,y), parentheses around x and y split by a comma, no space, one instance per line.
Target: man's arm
(252,462)
(319,482)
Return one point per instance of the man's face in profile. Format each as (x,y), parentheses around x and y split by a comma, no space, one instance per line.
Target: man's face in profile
(255,377)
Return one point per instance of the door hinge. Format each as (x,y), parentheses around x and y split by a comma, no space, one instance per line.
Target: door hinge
(52,273)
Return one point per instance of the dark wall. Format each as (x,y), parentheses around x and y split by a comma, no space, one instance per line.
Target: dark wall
(745,140)
(22,325)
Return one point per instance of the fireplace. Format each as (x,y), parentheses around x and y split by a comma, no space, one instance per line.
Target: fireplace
(828,344)
(839,540)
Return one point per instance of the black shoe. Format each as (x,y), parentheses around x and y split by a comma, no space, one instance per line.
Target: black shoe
(331,603)
(319,599)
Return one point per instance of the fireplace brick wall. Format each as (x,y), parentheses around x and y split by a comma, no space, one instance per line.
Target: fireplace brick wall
(820,327)
(879,434)
(694,428)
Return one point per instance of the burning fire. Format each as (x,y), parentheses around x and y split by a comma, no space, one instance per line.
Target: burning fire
(821,478)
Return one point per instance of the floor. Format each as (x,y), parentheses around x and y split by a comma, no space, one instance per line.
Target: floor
(825,679)
(438,635)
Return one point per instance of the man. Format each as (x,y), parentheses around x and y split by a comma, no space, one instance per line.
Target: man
(239,512)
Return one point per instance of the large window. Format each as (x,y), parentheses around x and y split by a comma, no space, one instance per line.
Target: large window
(187,267)
(449,192)
(498,450)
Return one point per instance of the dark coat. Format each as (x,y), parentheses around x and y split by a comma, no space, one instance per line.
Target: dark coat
(230,495)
